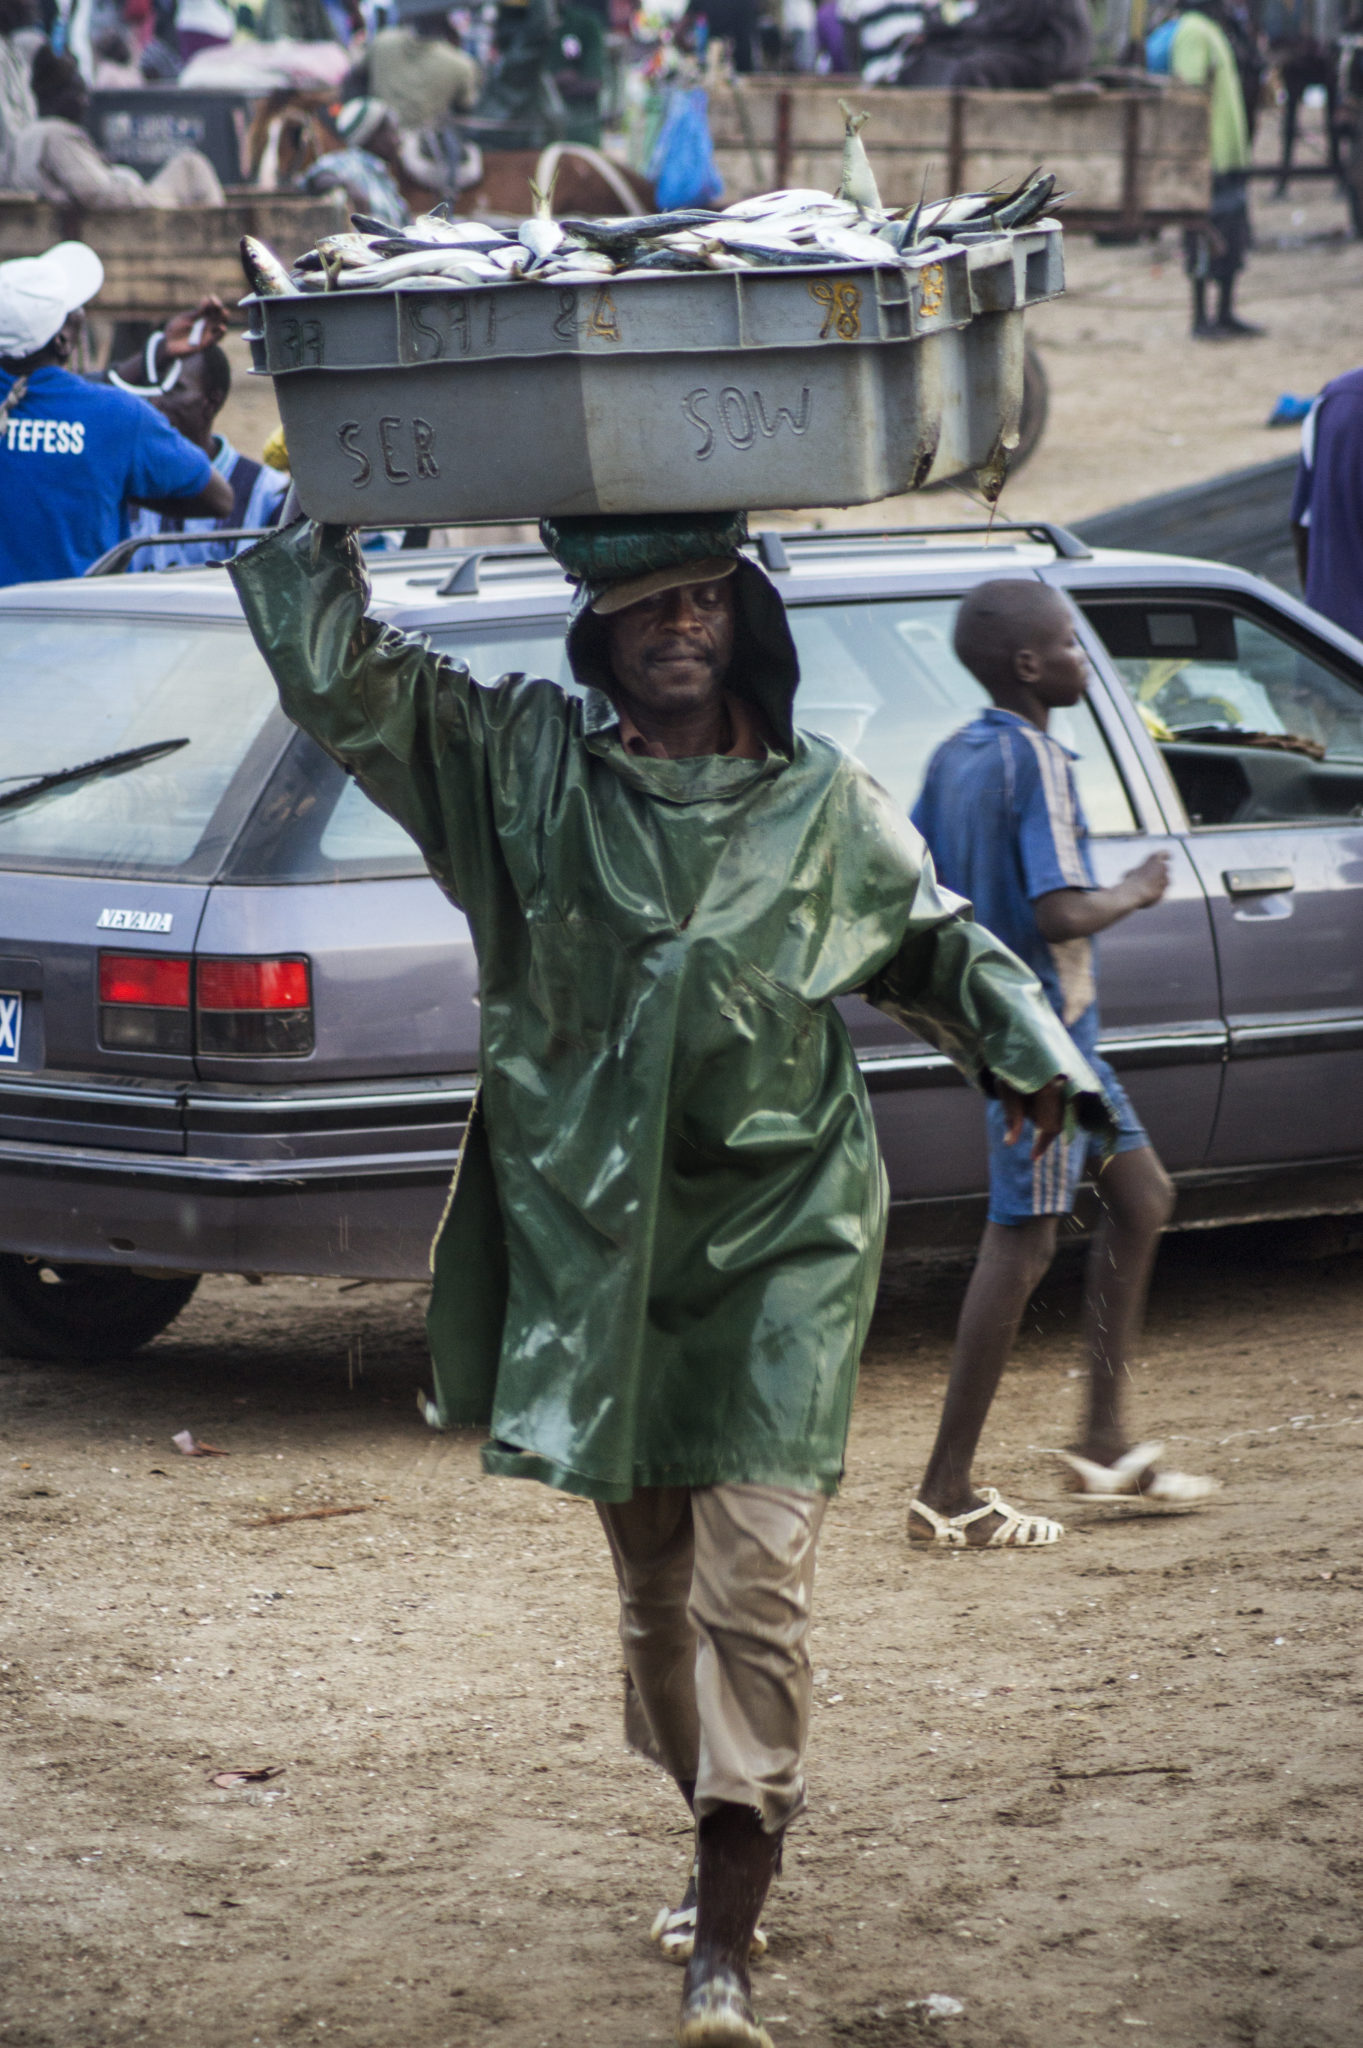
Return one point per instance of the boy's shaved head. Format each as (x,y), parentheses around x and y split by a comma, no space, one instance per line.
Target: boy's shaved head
(999,619)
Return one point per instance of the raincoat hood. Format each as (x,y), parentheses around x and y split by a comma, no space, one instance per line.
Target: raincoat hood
(765,667)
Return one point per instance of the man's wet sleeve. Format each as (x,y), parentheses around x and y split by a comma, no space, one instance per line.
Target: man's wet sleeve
(408,724)
(959,987)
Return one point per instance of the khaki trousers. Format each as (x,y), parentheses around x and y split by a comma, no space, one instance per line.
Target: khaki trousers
(716,1584)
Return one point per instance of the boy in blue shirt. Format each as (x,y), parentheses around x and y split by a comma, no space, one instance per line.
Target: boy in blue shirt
(1001,816)
(72,453)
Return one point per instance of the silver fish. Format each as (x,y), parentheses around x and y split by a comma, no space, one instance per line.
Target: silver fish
(858,179)
(955,212)
(542,196)
(446,265)
(265,274)
(430,233)
(571,273)
(796,200)
(854,248)
(349,251)
(540,236)
(671,259)
(587,262)
(770,258)
(603,234)
(796,227)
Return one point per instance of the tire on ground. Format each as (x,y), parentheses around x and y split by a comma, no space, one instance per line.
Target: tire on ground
(68,1312)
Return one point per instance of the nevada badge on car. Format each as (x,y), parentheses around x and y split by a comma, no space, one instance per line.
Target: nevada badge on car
(134,920)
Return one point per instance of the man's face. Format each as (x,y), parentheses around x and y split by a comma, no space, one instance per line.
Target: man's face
(1055,667)
(188,407)
(671,652)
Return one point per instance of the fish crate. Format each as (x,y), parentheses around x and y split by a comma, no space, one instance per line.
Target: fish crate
(655,391)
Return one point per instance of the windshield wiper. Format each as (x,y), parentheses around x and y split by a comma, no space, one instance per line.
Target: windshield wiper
(89,771)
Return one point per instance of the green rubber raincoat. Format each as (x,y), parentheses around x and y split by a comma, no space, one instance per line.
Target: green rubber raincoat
(661,1252)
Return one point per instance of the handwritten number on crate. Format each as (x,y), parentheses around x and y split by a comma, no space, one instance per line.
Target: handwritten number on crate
(843,317)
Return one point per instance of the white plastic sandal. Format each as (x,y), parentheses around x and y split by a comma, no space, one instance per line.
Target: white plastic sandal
(1136,1475)
(1016,1531)
(674,1930)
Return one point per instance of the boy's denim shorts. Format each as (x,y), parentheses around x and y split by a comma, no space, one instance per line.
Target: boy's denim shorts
(1021,1188)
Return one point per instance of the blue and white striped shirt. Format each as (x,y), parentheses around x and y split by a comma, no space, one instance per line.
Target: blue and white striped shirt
(1002,819)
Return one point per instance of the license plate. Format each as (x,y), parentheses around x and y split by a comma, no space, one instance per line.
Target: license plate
(11,1017)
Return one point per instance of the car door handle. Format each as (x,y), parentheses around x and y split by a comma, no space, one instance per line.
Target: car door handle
(1258,881)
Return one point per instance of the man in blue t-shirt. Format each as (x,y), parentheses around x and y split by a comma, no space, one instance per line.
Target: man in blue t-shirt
(73,453)
(1327,504)
(1001,816)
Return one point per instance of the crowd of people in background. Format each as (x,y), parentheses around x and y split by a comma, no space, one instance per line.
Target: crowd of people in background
(419,83)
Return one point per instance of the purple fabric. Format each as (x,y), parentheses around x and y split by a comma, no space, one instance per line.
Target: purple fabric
(832,43)
(191,40)
(1329,500)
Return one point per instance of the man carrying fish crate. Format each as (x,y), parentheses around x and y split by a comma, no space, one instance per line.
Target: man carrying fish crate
(659,1259)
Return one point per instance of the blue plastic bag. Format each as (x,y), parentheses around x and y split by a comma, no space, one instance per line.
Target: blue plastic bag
(1158,45)
(682,166)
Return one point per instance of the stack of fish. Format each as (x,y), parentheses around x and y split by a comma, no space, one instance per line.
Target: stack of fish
(779,228)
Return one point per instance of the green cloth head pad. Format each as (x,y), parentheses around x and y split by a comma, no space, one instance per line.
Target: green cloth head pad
(600,551)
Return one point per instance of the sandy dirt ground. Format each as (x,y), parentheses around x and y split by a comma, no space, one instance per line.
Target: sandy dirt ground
(1137,406)
(1096,1794)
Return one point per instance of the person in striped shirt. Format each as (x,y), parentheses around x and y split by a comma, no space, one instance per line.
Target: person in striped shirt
(1001,816)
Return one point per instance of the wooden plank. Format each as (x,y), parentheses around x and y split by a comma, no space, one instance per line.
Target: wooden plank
(157,260)
(1112,160)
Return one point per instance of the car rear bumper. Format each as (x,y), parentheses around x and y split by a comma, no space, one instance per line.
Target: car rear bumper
(343,1179)
(370,1216)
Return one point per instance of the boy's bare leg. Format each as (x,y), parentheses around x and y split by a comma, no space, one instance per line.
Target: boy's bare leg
(1012,1262)
(1138,1200)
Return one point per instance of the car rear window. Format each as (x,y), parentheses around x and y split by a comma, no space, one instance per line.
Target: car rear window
(75,689)
(880,678)
(314,822)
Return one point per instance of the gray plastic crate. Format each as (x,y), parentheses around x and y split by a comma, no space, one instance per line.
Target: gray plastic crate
(654,391)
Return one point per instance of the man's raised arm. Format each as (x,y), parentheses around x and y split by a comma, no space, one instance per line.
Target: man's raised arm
(411,726)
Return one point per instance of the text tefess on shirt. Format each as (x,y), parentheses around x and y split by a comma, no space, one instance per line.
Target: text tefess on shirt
(45,437)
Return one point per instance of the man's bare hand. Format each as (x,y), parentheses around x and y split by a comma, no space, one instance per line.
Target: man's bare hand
(185,334)
(1147,883)
(1045,1110)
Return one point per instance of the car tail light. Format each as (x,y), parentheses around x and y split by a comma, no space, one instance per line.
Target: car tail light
(144,1002)
(258,1009)
(239,1009)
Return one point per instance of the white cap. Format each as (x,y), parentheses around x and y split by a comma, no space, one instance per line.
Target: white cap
(37,293)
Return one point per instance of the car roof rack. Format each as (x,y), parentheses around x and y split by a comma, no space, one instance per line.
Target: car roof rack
(465,578)
(116,559)
(773,546)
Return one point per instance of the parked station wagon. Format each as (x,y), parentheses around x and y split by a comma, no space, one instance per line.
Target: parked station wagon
(239,1023)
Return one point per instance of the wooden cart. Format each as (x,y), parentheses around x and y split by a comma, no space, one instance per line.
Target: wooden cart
(1132,159)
